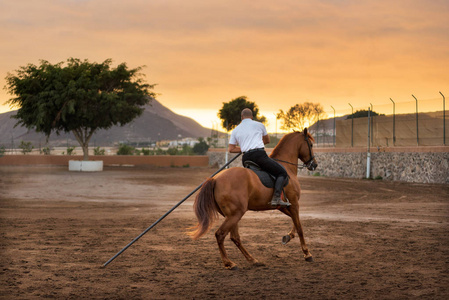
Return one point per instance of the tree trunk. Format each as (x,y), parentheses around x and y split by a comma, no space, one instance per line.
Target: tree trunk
(83,136)
(85,152)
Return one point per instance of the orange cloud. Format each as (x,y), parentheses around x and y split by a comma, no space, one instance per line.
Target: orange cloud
(277,53)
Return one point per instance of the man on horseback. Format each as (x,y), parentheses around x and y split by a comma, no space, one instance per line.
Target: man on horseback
(251,136)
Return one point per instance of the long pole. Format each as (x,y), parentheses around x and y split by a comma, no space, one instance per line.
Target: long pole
(394,116)
(444,119)
(167,213)
(417,135)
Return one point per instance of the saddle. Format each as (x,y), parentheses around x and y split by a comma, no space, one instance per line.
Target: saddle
(266,178)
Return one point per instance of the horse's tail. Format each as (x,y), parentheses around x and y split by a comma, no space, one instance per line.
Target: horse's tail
(205,209)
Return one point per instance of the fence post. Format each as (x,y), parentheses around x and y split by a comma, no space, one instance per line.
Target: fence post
(372,125)
(394,116)
(368,154)
(444,119)
(352,125)
(334,126)
(417,135)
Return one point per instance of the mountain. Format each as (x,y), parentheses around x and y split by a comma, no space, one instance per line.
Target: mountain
(157,122)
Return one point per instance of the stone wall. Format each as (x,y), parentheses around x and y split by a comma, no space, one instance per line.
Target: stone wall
(420,164)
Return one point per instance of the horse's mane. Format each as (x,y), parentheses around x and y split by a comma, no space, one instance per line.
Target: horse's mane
(286,138)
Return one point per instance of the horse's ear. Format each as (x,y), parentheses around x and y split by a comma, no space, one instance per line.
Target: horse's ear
(305,131)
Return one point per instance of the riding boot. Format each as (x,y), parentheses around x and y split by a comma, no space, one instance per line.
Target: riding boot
(276,200)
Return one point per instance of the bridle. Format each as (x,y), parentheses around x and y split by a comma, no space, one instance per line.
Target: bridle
(308,163)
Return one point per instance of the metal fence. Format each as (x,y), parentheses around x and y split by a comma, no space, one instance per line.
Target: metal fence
(408,123)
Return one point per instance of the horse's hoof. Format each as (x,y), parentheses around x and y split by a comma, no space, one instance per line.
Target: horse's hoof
(309,259)
(286,239)
(232,267)
(258,264)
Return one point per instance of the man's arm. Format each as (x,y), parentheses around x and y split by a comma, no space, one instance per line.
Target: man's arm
(234,149)
(266,139)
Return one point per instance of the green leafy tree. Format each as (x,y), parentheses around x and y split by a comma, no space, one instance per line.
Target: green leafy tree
(201,147)
(300,116)
(77,96)
(230,113)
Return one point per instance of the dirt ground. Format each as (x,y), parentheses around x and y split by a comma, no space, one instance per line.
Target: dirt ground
(370,239)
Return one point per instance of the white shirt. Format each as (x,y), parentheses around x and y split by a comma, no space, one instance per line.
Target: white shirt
(248,135)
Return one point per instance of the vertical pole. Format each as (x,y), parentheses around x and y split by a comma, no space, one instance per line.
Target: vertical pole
(276,127)
(226,143)
(368,154)
(352,125)
(372,125)
(417,135)
(444,119)
(394,116)
(334,127)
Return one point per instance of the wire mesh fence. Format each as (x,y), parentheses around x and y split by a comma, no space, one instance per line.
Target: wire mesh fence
(410,123)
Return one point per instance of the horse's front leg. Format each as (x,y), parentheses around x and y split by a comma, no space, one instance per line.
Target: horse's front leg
(294,214)
(291,235)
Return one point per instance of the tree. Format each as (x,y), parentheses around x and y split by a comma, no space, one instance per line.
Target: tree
(363,114)
(79,97)
(201,147)
(230,112)
(300,116)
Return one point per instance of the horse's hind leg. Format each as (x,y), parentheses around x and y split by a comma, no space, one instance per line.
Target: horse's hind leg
(229,223)
(235,237)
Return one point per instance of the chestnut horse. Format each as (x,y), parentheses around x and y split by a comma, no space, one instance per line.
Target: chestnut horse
(237,190)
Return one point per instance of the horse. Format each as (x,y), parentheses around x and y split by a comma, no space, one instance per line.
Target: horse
(236,190)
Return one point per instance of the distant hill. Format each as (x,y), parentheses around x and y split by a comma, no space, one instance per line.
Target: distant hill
(156,123)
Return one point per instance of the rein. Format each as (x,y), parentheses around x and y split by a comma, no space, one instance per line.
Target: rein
(287,162)
(307,163)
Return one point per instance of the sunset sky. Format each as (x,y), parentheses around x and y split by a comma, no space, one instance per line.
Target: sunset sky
(277,53)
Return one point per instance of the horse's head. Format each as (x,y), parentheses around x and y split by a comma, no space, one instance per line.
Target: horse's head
(306,152)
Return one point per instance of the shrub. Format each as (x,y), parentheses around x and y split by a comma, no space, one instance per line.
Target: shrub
(98,151)
(172,151)
(46,150)
(71,151)
(124,149)
(26,147)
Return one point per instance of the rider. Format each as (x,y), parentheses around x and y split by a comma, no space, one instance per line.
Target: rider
(251,136)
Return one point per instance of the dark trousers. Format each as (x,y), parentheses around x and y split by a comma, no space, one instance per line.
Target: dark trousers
(266,163)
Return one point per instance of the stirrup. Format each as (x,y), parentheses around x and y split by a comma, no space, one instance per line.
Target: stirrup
(277,201)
